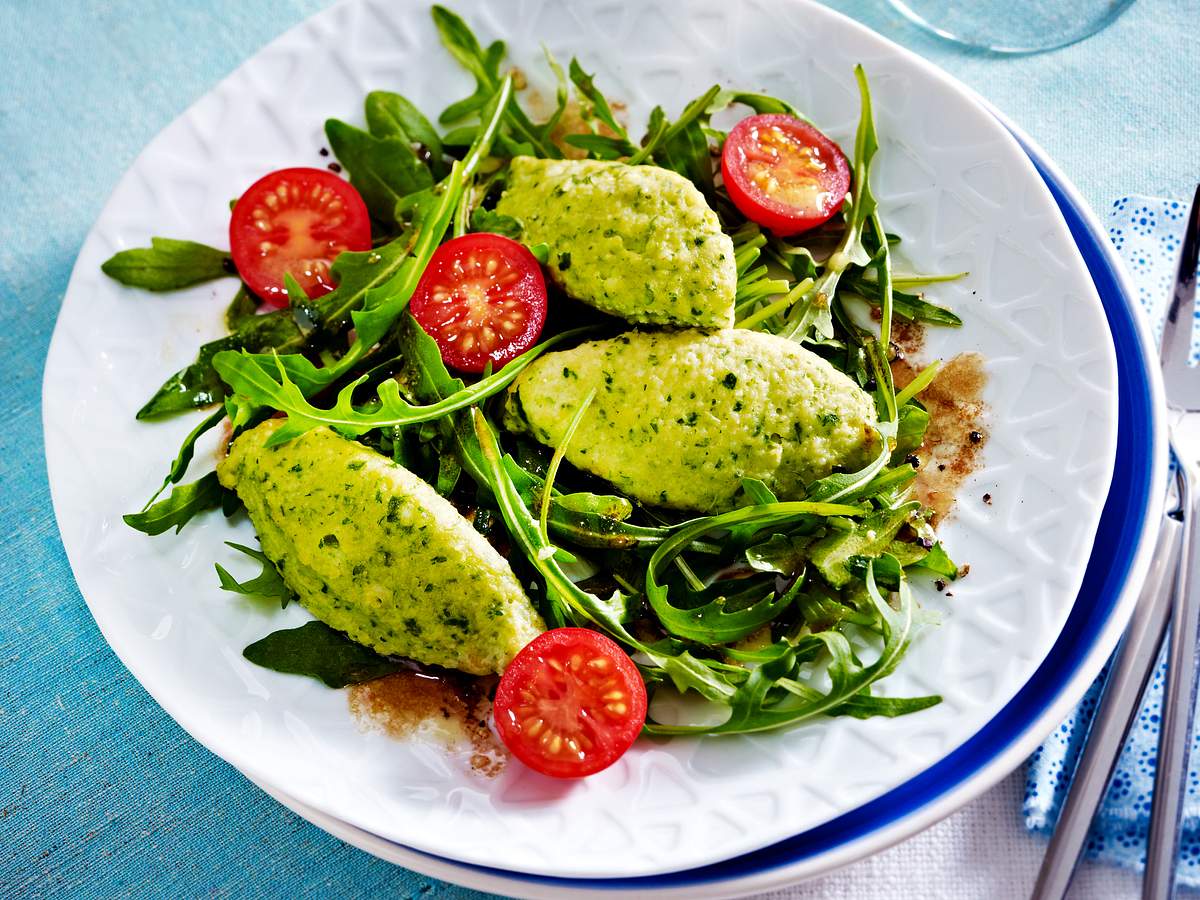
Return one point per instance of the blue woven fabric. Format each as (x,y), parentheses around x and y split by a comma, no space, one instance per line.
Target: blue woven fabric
(1147,232)
(101,794)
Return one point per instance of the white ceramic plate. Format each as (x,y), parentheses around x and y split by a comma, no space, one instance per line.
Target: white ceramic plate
(952,182)
(1076,658)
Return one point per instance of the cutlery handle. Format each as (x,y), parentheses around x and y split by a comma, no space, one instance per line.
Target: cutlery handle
(1118,706)
(1179,703)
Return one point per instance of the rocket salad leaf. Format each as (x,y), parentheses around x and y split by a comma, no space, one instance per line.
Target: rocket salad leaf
(268,583)
(251,377)
(177,509)
(752,609)
(318,651)
(168,264)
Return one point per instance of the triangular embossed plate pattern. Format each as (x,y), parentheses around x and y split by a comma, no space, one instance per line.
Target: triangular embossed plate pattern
(963,195)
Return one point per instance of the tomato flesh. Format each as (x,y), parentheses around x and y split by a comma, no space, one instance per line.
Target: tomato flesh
(482,298)
(296,221)
(570,703)
(783,173)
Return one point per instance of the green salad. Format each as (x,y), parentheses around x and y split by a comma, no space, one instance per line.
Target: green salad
(611,418)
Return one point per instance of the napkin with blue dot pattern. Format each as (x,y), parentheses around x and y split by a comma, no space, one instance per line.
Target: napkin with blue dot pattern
(1147,232)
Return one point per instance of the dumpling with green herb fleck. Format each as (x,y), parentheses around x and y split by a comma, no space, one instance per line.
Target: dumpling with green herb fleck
(374,551)
(680,418)
(638,242)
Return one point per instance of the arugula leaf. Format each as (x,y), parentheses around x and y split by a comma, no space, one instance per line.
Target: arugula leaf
(683,146)
(585,519)
(922,380)
(813,316)
(888,568)
(184,457)
(384,170)
(427,380)
(570,602)
(888,483)
(864,706)
(661,135)
(184,501)
(448,474)
(497,223)
(777,694)
(588,520)
(318,651)
(386,297)
(846,485)
(687,672)
(464,46)
(656,131)
(250,376)
(730,618)
(382,278)
(598,107)
(779,553)
(392,115)
(910,307)
(168,264)
(599,146)
(870,538)
(561,96)
(939,562)
(243,305)
(356,273)
(760,103)
(754,493)
(484,65)
(268,583)
(820,612)
(910,431)
(713,623)
(555,461)
(757,492)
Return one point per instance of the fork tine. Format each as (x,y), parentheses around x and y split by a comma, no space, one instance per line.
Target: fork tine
(1177,330)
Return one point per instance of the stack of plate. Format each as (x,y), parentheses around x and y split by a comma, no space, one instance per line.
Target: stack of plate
(1068,357)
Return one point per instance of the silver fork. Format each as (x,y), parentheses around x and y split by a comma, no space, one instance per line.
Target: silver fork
(1179,699)
(1163,598)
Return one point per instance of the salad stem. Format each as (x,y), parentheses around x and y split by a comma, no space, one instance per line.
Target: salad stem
(783,304)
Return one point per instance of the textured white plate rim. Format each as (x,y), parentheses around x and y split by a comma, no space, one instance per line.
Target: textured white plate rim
(179,711)
(1022,746)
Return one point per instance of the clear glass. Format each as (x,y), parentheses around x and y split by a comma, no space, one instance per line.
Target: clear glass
(1013,26)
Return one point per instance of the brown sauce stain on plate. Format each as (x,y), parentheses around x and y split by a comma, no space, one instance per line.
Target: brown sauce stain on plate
(956,435)
(448,707)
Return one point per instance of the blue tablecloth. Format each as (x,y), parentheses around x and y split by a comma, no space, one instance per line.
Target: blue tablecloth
(101,794)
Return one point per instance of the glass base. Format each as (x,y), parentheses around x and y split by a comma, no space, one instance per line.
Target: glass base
(1012,26)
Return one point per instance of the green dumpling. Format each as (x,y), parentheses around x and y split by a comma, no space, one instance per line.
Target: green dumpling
(374,551)
(638,242)
(680,418)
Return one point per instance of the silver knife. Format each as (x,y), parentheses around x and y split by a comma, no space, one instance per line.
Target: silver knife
(1182,382)
(1115,713)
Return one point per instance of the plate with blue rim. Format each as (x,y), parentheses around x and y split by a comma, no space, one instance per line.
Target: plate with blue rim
(963,194)
(1126,534)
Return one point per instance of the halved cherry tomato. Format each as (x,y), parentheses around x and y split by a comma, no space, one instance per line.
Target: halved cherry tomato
(783,173)
(482,298)
(297,221)
(570,703)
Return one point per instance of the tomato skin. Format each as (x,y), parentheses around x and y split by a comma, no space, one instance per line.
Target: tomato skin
(570,703)
(783,173)
(482,298)
(295,221)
